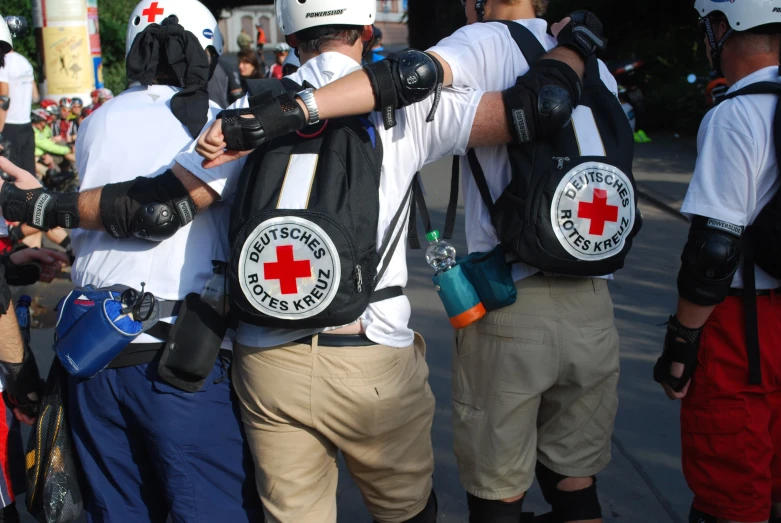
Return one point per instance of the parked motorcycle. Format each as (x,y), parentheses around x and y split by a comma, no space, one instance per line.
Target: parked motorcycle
(630,75)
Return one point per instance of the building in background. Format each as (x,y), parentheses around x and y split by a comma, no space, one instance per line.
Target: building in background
(390,18)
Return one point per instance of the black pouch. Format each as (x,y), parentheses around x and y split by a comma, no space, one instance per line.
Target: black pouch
(193,345)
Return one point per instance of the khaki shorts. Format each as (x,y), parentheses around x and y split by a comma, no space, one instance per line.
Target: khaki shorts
(536,381)
(302,403)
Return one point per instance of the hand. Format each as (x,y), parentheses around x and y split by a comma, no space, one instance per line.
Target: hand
(23,386)
(211,143)
(51,262)
(556,28)
(24,418)
(676,369)
(23,179)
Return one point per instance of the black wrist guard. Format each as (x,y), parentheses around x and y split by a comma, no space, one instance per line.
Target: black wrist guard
(404,78)
(151,209)
(39,208)
(22,379)
(15,233)
(21,275)
(541,102)
(676,351)
(269,118)
(5,292)
(583,34)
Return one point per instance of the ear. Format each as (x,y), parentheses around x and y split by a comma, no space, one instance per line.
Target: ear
(291,40)
(367,35)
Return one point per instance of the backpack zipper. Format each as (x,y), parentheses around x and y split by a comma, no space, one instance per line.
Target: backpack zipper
(358,278)
(561,161)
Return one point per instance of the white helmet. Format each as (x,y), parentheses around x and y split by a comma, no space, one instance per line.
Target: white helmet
(294,16)
(6,44)
(192,15)
(744,14)
(281,48)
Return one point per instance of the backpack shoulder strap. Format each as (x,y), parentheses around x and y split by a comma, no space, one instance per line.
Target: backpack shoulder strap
(757,88)
(531,48)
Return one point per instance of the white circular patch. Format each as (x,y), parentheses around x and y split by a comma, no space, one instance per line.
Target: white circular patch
(593,211)
(289,268)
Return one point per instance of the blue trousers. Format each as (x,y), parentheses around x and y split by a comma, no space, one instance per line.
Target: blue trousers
(149,450)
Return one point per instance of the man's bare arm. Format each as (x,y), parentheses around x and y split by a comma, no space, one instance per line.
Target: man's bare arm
(488,128)
(200,192)
(12,348)
(3,112)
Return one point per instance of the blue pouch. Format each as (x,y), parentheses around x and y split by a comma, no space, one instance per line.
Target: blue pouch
(460,299)
(92,330)
(492,278)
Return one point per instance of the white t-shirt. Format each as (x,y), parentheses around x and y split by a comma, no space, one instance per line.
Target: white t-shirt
(406,148)
(485,57)
(136,134)
(737,172)
(18,74)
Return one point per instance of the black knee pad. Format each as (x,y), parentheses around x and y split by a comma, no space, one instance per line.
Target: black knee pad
(568,506)
(695,516)
(493,511)
(429,512)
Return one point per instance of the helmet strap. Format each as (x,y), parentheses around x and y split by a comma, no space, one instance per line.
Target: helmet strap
(716,47)
(480,10)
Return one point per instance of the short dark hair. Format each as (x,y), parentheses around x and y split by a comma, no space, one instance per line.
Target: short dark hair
(325,38)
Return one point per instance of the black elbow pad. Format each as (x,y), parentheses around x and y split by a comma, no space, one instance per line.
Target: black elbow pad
(709,261)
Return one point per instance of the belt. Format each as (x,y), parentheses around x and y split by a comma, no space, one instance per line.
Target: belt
(169,308)
(760,292)
(140,353)
(338,340)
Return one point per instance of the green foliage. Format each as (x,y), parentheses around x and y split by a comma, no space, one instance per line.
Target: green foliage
(113,17)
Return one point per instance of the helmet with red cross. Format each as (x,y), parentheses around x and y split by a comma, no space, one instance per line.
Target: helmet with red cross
(192,15)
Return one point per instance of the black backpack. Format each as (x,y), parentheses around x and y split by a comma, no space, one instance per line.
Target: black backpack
(566,211)
(303,227)
(761,240)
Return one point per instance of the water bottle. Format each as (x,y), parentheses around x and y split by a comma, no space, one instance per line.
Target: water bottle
(462,304)
(23,316)
(440,255)
(214,290)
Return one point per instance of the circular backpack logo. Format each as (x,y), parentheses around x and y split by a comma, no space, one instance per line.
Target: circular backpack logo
(289,268)
(593,211)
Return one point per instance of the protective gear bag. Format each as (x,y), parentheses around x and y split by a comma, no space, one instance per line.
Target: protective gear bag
(93,327)
(303,231)
(53,471)
(571,206)
(761,240)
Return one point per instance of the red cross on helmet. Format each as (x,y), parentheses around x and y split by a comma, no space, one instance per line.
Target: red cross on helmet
(192,15)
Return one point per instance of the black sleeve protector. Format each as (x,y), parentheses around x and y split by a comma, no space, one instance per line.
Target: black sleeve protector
(5,103)
(148,208)
(541,102)
(404,78)
(39,208)
(709,260)
(5,292)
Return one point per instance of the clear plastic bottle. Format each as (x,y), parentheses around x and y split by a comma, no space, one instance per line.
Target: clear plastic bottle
(440,255)
(214,290)
(23,316)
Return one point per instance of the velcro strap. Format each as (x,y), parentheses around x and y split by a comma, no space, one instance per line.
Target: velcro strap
(386,294)
(384,88)
(278,119)
(438,91)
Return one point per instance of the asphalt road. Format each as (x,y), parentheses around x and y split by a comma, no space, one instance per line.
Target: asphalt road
(643,484)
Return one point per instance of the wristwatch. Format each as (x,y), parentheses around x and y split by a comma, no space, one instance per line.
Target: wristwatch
(308,97)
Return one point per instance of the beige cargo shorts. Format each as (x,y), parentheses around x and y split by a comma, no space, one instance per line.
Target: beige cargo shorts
(536,381)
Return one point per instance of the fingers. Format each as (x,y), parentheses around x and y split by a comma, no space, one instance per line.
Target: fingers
(61,257)
(557,27)
(24,418)
(676,395)
(211,143)
(24,180)
(225,157)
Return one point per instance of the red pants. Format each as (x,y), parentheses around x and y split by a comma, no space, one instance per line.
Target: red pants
(731,430)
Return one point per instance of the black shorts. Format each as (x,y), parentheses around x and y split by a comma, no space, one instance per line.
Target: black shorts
(22,141)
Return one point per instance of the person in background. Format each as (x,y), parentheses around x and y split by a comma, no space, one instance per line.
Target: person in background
(261,38)
(281,52)
(291,64)
(17,94)
(249,67)
(64,127)
(378,51)
(244,41)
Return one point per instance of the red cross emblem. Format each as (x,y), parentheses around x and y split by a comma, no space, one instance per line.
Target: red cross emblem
(598,212)
(152,11)
(287,270)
